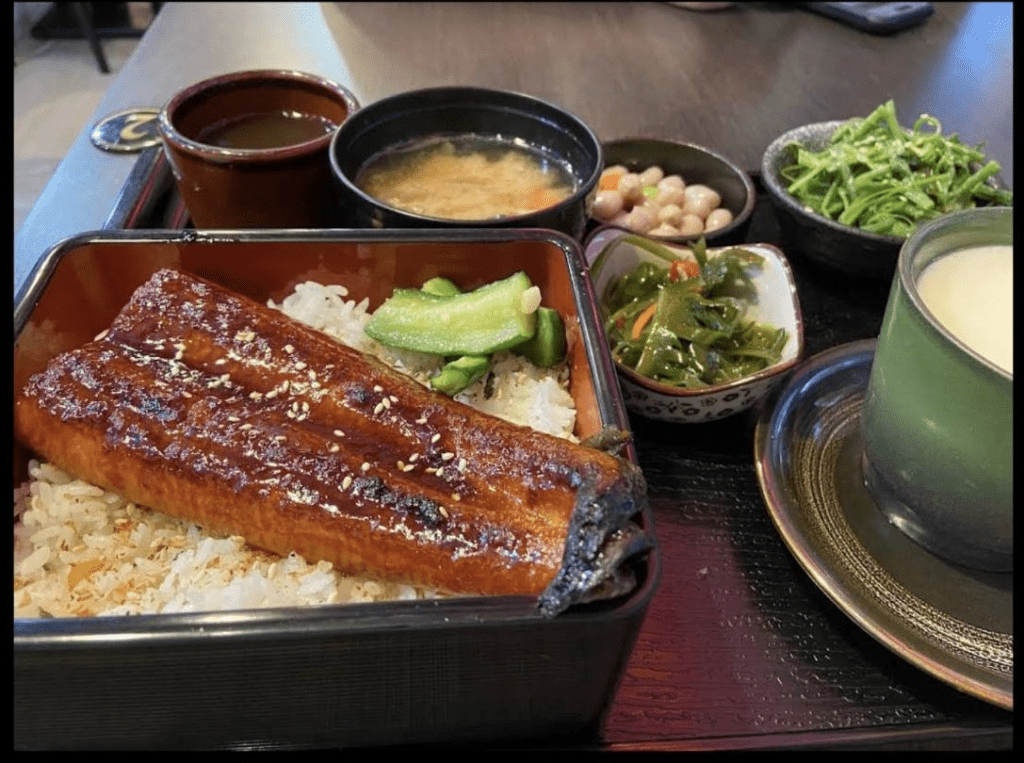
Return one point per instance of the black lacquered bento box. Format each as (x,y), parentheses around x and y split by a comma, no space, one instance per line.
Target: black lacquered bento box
(410,672)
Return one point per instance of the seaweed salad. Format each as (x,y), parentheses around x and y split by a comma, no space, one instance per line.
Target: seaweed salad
(685,323)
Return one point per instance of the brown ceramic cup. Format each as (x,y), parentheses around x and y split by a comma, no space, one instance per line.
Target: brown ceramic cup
(290,186)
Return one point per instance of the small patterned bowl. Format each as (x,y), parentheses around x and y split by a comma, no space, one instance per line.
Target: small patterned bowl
(776,303)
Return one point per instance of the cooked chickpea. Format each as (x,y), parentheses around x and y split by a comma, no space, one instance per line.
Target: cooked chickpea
(718,218)
(670,214)
(622,218)
(690,225)
(669,195)
(663,230)
(651,202)
(631,188)
(607,204)
(672,181)
(700,200)
(641,219)
(652,175)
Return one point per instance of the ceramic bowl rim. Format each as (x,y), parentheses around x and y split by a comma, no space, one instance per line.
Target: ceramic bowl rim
(776,369)
(738,221)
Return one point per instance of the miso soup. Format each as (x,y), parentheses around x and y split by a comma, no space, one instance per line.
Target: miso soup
(469,177)
(276,129)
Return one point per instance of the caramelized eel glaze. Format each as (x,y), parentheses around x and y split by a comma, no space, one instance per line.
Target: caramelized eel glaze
(203,404)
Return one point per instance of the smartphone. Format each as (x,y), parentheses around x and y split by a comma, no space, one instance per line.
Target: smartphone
(876,18)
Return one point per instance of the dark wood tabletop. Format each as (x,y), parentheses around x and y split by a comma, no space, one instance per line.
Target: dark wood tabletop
(740,649)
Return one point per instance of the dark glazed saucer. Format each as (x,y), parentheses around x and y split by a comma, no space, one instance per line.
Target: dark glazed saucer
(952,622)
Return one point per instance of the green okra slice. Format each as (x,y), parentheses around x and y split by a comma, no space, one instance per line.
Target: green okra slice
(494,317)
(546,348)
(458,374)
(440,287)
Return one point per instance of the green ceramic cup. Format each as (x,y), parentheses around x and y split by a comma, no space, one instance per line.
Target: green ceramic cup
(937,419)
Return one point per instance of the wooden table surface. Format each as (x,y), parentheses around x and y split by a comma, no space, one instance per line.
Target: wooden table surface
(740,649)
(730,80)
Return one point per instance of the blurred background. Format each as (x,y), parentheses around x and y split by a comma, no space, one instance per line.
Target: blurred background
(58,81)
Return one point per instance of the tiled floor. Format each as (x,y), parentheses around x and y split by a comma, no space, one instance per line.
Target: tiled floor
(57,86)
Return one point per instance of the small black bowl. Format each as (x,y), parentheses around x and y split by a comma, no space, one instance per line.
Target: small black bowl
(842,247)
(695,164)
(406,117)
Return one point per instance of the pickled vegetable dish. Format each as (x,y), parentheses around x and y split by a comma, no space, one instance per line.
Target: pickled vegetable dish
(684,323)
(467,328)
(875,175)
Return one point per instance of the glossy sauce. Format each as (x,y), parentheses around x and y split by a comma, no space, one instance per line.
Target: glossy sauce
(267,130)
(260,426)
(970,292)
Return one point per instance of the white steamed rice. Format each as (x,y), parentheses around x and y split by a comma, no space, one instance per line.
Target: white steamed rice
(81,551)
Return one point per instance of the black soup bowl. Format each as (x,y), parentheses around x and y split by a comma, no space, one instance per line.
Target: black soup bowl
(403,119)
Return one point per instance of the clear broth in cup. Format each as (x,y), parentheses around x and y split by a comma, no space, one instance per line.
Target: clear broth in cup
(276,129)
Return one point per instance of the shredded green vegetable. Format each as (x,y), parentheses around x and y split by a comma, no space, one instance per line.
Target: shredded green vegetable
(875,175)
(698,334)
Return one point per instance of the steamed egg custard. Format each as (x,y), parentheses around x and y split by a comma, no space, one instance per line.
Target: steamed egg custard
(970,292)
(467,177)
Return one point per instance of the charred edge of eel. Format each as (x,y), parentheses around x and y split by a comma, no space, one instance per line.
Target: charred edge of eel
(602,536)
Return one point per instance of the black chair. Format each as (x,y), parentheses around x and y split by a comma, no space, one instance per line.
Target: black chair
(90,21)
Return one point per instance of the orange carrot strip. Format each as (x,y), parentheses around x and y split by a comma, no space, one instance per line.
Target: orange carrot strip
(642,320)
(609,181)
(689,268)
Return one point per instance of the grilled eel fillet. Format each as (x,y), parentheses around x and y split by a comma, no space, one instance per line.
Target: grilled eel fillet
(205,405)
